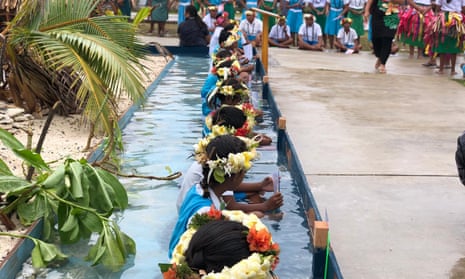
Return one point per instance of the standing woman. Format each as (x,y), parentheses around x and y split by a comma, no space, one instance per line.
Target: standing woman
(446,33)
(335,10)
(412,26)
(384,21)
(356,11)
(159,15)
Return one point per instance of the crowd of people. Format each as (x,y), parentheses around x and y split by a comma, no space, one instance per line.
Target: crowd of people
(218,233)
(433,29)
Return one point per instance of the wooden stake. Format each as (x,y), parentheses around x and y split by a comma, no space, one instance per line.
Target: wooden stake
(282,123)
(320,234)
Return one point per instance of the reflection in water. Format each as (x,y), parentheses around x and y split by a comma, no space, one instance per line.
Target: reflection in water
(159,137)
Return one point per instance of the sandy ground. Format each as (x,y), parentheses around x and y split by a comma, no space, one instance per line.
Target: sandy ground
(66,137)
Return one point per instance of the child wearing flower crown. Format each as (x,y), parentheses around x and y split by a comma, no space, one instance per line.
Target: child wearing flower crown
(225,161)
(224,244)
(230,120)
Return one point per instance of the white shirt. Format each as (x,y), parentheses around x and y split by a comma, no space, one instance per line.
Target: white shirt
(453,6)
(193,176)
(347,38)
(318,3)
(278,32)
(357,4)
(251,28)
(423,2)
(310,33)
(214,40)
(209,21)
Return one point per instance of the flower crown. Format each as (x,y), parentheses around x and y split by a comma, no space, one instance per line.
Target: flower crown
(265,252)
(250,113)
(232,38)
(234,163)
(224,72)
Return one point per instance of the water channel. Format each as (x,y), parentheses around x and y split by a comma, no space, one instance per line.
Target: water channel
(159,138)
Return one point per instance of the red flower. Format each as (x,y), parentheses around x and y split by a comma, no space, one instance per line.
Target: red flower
(243,131)
(213,213)
(171,273)
(259,241)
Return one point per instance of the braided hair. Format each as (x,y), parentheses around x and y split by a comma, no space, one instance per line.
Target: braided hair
(217,244)
(229,116)
(220,147)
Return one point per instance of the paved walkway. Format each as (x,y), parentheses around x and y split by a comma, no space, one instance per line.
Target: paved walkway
(378,153)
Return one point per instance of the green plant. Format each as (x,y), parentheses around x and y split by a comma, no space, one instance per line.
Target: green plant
(74,201)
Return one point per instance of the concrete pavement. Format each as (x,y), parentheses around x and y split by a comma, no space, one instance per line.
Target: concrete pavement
(378,153)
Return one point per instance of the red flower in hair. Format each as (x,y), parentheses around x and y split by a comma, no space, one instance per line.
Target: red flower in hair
(243,131)
(171,273)
(259,241)
(214,213)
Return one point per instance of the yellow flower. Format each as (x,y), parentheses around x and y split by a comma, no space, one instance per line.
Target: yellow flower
(227,90)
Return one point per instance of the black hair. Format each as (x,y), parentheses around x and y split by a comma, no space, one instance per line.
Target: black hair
(217,244)
(221,99)
(192,12)
(229,27)
(220,147)
(224,35)
(229,116)
(236,85)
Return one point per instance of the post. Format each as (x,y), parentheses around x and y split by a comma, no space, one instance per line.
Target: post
(265,43)
(265,33)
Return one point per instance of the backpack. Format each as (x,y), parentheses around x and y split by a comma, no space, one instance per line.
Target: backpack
(460,157)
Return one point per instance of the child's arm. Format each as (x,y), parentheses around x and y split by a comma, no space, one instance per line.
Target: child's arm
(273,202)
(265,185)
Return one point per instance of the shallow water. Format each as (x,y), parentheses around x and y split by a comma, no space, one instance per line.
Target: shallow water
(160,138)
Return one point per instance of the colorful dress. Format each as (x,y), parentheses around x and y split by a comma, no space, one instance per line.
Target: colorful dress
(294,16)
(125,8)
(269,4)
(356,8)
(229,7)
(182,10)
(412,25)
(160,11)
(446,31)
(334,17)
(320,17)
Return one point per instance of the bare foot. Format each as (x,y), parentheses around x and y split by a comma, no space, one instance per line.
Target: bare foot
(453,73)
(439,72)
(381,69)
(377,64)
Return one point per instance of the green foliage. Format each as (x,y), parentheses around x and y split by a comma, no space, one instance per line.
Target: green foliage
(101,55)
(77,199)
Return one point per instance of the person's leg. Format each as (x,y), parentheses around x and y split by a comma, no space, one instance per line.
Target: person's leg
(385,51)
(411,51)
(453,59)
(152,23)
(161,28)
(441,63)
(377,50)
